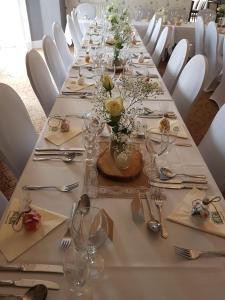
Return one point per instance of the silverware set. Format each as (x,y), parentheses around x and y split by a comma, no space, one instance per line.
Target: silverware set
(153,224)
(64,155)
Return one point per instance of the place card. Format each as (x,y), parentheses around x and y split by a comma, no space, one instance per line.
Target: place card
(137,208)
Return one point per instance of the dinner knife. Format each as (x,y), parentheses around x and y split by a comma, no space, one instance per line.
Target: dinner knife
(61,149)
(178,186)
(66,153)
(179,181)
(30,283)
(45,268)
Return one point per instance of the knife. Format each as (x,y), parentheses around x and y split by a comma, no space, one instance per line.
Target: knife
(33,268)
(29,283)
(179,181)
(178,186)
(57,153)
(61,149)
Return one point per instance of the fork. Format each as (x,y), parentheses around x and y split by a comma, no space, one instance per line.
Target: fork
(66,239)
(194,254)
(63,188)
(159,198)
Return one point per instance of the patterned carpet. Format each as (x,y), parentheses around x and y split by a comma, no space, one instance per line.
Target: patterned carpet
(13,72)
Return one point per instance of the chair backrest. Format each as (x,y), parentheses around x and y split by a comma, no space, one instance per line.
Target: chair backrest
(160,46)
(3,204)
(212,148)
(195,4)
(175,64)
(202,4)
(155,34)
(74,35)
(189,84)
(54,61)
(40,80)
(211,46)
(199,35)
(87,11)
(76,25)
(61,44)
(149,30)
(17,133)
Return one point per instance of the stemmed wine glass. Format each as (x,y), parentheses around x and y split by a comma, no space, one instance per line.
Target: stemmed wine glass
(89,232)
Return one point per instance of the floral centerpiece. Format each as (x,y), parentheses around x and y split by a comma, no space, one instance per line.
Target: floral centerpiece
(118,18)
(221,11)
(118,106)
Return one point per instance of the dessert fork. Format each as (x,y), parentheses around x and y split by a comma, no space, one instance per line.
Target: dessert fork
(63,188)
(194,254)
(67,239)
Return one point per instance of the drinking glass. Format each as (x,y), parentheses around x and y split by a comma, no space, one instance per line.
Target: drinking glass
(89,232)
(76,270)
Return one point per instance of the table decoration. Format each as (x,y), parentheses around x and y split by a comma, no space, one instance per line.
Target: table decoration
(221,15)
(119,112)
(12,243)
(213,223)
(118,18)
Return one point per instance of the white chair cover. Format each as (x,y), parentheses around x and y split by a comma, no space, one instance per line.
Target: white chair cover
(40,80)
(86,11)
(212,148)
(155,34)
(175,64)
(208,15)
(17,133)
(149,30)
(77,25)
(61,44)
(189,84)
(211,52)
(199,35)
(160,46)
(3,203)
(219,94)
(54,61)
(74,35)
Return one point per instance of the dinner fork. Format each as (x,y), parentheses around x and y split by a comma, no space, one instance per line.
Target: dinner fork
(159,198)
(66,239)
(63,188)
(194,254)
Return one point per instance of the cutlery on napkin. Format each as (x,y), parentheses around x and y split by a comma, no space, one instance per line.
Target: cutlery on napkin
(178,186)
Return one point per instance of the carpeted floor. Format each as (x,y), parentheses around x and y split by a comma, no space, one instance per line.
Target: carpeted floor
(13,73)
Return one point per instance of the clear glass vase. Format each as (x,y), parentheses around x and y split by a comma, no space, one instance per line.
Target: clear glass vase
(120,150)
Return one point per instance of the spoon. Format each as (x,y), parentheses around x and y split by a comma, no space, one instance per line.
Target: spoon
(68,158)
(37,292)
(152,223)
(166,174)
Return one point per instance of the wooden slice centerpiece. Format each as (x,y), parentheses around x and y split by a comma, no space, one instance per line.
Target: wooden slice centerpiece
(107,166)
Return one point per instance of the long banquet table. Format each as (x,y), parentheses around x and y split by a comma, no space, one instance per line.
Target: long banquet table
(138,264)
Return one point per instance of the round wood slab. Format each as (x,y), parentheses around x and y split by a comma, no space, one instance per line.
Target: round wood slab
(106,165)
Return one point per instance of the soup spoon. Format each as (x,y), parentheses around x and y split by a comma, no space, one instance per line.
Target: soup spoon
(166,174)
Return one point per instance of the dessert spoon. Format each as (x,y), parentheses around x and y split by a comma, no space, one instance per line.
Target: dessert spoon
(166,174)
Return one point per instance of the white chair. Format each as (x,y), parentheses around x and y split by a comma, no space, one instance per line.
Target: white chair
(86,11)
(199,35)
(149,30)
(17,133)
(219,94)
(77,25)
(177,61)
(208,15)
(212,148)
(60,41)
(211,52)
(160,46)
(40,80)
(74,35)
(189,84)
(202,4)
(155,34)
(3,203)
(54,61)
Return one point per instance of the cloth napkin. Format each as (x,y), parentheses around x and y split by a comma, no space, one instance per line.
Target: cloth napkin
(181,133)
(58,138)
(71,85)
(182,215)
(81,62)
(146,62)
(13,244)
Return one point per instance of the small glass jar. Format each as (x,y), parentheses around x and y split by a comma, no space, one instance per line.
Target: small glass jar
(141,58)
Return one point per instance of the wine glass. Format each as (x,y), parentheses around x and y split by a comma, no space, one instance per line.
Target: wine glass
(76,270)
(89,232)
